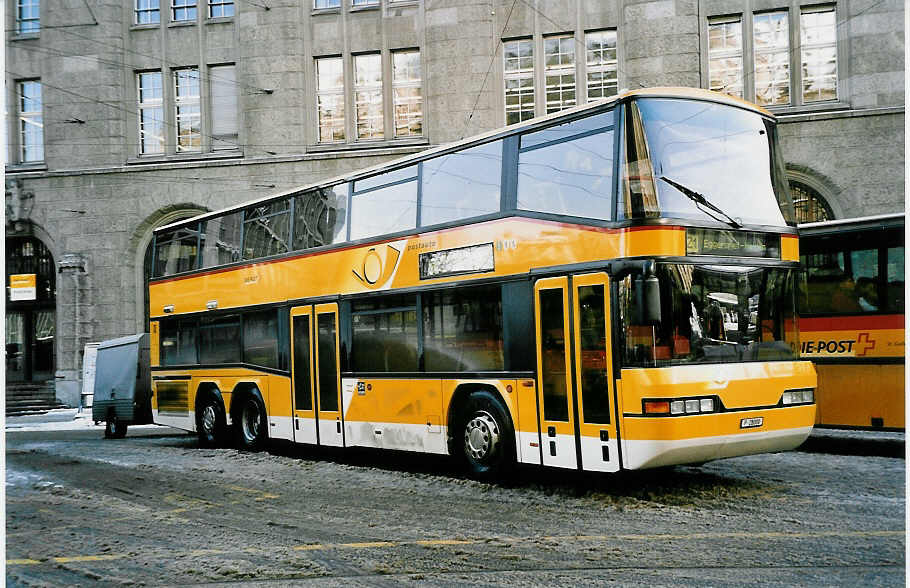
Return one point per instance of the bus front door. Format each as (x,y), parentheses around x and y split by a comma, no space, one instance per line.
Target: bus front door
(575,382)
(316,375)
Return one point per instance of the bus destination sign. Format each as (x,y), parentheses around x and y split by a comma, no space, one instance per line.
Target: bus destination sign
(732,243)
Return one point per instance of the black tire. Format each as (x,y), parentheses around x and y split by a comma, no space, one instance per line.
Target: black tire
(210,421)
(485,438)
(251,426)
(114,428)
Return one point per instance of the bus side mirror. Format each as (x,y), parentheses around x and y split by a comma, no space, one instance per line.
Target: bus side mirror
(651,300)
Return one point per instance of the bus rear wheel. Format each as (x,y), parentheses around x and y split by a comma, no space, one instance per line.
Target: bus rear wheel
(486,438)
(210,422)
(252,426)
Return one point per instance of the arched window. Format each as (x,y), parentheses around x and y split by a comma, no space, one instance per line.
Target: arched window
(809,205)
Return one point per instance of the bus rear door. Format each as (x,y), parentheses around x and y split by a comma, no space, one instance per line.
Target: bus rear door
(575,381)
(316,375)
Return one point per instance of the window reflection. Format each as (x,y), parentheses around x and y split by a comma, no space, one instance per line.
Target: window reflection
(462,184)
(713,314)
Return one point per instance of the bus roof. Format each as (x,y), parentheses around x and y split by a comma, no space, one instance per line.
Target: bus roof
(853,224)
(570,113)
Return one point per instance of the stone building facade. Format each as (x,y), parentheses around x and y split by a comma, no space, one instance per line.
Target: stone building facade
(124,115)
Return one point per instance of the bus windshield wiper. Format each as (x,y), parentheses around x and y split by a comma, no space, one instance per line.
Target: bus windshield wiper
(700,200)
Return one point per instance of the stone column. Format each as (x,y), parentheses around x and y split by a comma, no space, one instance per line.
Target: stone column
(75,327)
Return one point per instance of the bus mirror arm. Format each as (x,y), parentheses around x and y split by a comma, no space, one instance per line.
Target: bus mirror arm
(622,268)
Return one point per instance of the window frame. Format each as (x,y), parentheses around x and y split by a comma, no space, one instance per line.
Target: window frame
(795,11)
(188,101)
(365,95)
(27,120)
(152,104)
(345,126)
(405,84)
(144,7)
(32,23)
(223,5)
(185,7)
(561,70)
(539,71)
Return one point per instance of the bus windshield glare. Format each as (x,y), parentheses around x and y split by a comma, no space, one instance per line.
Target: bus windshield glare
(712,314)
(701,161)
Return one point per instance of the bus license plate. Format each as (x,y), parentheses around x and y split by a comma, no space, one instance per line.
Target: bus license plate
(751,423)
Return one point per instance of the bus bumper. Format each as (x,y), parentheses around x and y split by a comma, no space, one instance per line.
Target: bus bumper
(661,441)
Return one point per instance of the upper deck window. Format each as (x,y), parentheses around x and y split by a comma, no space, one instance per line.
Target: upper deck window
(568,169)
(461,185)
(266,229)
(177,251)
(320,217)
(386,203)
(726,155)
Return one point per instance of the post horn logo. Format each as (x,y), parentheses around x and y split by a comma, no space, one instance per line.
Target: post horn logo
(378,265)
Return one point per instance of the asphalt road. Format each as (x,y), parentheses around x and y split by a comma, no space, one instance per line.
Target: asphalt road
(156,509)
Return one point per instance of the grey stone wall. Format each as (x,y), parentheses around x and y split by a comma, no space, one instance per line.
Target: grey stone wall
(95,198)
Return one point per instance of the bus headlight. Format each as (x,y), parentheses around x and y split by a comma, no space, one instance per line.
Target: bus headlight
(791,397)
(679,406)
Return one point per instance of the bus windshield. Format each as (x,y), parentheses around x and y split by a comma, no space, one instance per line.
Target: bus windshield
(713,314)
(707,161)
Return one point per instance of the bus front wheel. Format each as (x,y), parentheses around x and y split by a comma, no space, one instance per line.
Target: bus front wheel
(486,438)
(252,426)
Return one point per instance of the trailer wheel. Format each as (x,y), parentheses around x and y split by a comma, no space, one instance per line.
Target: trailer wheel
(114,428)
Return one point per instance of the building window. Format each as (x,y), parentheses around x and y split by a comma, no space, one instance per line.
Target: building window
(601,64)
(221,8)
(320,4)
(223,88)
(330,99)
(31,125)
(725,56)
(808,204)
(368,96)
(818,47)
(28,16)
(148,12)
(358,3)
(518,70)
(183,10)
(186,106)
(771,36)
(406,93)
(774,73)
(151,113)
(559,55)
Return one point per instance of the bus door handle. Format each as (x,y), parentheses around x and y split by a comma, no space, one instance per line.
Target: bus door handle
(551,431)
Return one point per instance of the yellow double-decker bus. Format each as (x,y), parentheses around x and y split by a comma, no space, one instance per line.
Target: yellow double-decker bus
(612,286)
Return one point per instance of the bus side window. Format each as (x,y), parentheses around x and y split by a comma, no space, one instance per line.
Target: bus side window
(895,284)
(864,264)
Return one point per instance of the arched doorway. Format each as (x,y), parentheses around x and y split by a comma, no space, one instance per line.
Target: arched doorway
(808,204)
(142,242)
(30,311)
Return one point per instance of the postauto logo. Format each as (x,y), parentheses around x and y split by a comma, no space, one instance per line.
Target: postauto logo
(857,347)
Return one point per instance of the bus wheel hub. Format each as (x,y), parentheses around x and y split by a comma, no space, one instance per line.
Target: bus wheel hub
(481,436)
